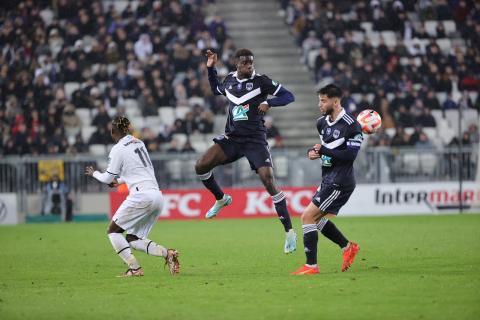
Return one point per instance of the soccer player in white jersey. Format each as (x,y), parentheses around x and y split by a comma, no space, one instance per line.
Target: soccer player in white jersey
(130,163)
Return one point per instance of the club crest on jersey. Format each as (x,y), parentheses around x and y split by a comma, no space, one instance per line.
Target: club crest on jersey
(240,112)
(239,86)
(249,86)
(336,133)
(329,130)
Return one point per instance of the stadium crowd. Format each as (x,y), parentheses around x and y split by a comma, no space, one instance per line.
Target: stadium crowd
(388,56)
(151,53)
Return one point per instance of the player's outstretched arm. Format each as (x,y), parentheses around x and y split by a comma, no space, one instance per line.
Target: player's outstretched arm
(215,85)
(104,177)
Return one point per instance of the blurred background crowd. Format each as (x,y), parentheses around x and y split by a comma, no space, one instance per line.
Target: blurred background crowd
(67,67)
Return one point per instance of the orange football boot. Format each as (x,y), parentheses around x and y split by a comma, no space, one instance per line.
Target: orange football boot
(306,270)
(349,255)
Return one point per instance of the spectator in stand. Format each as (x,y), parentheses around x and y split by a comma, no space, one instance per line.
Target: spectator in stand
(204,124)
(273,134)
(423,142)
(400,138)
(426,119)
(101,136)
(71,121)
(187,147)
(101,119)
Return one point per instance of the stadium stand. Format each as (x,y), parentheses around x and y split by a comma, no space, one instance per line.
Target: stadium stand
(67,67)
(415,62)
(60,66)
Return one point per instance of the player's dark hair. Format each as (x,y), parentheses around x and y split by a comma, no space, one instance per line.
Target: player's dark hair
(243,53)
(331,91)
(122,124)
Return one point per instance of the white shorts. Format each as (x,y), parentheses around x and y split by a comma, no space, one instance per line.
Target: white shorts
(138,212)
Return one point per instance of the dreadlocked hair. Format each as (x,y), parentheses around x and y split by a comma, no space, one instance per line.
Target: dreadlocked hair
(122,124)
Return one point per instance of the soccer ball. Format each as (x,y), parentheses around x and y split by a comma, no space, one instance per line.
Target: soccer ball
(369,120)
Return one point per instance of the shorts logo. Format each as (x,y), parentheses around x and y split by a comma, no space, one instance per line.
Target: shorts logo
(336,133)
(249,86)
(328,131)
(240,112)
(275,83)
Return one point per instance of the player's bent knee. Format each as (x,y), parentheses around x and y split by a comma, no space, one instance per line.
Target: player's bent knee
(131,237)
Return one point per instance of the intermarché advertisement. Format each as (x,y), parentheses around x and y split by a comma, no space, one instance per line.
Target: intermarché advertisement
(366,200)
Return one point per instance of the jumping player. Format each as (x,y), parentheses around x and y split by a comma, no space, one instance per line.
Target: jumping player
(245,133)
(130,163)
(341,138)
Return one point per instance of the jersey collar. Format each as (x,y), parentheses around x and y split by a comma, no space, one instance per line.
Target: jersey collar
(243,80)
(126,138)
(340,116)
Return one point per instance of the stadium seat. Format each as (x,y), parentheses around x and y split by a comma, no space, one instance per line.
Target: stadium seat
(180,112)
(441,96)
(374,38)
(181,139)
(358,36)
(450,27)
(200,146)
(390,38)
(473,95)
(174,169)
(431,27)
(367,26)
(196,101)
(312,57)
(281,166)
(87,132)
(428,163)
(445,45)
(219,124)
(390,132)
(411,163)
(138,122)
(431,133)
(97,149)
(167,115)
(70,88)
(84,115)
(153,121)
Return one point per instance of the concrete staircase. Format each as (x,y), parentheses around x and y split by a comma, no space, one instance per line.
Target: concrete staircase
(256,25)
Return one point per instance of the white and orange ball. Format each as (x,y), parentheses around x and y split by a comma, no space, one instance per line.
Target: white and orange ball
(370,121)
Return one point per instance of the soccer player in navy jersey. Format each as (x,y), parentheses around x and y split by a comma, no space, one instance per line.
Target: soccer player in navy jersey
(245,133)
(340,140)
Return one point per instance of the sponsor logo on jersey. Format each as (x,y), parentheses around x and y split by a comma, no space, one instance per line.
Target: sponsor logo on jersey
(240,112)
(326,161)
(336,133)
(249,86)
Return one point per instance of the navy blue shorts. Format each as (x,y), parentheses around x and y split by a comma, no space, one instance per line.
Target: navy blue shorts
(257,154)
(331,197)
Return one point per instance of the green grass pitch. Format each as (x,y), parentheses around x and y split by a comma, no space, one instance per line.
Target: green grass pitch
(419,267)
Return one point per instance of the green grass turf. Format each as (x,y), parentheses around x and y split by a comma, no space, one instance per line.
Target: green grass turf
(422,267)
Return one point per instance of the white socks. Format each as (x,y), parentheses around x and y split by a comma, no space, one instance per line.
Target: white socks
(122,248)
(149,247)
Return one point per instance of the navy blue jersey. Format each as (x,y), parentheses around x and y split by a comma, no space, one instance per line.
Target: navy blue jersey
(244,123)
(341,141)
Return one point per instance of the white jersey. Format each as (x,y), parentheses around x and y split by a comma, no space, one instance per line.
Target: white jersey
(129,160)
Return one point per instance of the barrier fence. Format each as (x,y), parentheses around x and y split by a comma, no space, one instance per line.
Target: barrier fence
(20,175)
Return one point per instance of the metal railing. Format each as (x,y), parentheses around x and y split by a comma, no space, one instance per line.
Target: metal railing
(292,168)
